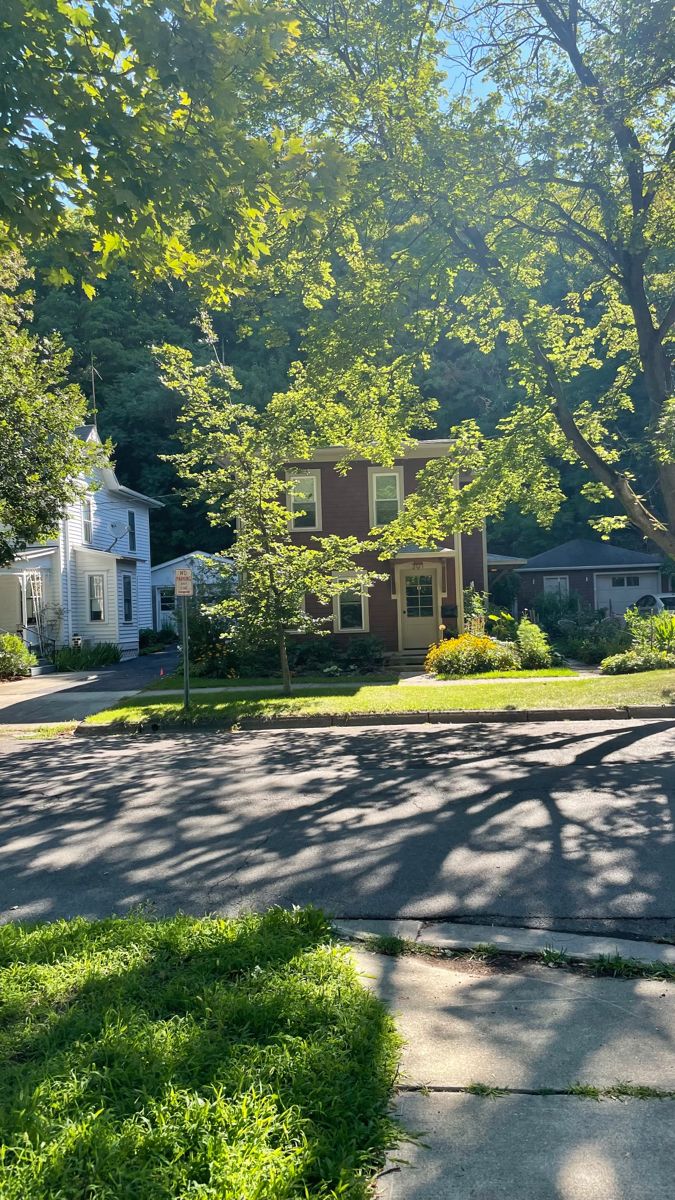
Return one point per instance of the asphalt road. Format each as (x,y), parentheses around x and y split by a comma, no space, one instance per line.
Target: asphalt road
(70,696)
(568,826)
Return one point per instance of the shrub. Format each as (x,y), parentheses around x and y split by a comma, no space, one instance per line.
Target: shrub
(632,661)
(533,645)
(147,638)
(594,642)
(15,657)
(69,658)
(551,609)
(652,633)
(469,655)
(327,654)
(502,626)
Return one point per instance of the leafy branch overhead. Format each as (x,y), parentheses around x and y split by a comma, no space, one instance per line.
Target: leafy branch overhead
(235,458)
(40,455)
(538,216)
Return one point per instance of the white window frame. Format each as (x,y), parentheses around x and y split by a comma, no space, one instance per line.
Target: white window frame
(166,592)
(373,473)
(365,614)
(635,584)
(310,473)
(104,599)
(87,521)
(131,531)
(563,592)
(129,620)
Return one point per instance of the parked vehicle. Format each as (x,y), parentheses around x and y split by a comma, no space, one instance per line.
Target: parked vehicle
(655,603)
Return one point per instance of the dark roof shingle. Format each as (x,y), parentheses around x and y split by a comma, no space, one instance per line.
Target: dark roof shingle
(583,552)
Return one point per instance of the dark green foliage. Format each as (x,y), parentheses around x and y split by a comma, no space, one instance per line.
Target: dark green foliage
(149,639)
(549,610)
(239,1058)
(358,656)
(104,654)
(593,642)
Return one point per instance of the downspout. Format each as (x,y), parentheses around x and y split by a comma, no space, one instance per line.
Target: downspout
(459,575)
(66,555)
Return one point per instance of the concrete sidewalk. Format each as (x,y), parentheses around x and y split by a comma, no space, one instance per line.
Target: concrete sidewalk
(532,1030)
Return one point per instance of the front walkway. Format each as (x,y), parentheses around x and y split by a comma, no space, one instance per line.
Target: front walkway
(492,1060)
(73,695)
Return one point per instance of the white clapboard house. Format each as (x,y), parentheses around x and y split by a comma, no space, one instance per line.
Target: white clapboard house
(91,583)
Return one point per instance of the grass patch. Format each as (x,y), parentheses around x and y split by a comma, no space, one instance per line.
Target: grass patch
(190,1057)
(175,680)
(521,672)
(487,1090)
(395,947)
(58,729)
(219,708)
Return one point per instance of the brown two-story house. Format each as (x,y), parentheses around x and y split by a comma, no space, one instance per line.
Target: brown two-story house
(423,589)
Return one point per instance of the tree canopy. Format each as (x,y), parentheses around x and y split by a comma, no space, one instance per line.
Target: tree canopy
(40,454)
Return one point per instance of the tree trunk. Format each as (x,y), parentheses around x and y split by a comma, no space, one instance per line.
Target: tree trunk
(283,659)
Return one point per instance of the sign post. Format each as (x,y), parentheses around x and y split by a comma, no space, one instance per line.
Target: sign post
(184,589)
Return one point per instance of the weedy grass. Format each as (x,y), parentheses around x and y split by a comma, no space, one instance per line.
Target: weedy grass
(487,1090)
(190,1057)
(550,957)
(618,1091)
(630,968)
(44,732)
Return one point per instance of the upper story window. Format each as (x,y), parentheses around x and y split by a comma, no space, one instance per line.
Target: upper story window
(386,488)
(304,499)
(131,522)
(87,524)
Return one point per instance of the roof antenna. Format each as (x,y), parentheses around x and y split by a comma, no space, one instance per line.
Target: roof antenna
(94,374)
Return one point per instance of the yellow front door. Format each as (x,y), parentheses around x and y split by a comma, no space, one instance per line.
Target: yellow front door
(419,617)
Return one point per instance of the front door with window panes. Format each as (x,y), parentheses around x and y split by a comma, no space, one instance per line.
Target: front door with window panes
(420,611)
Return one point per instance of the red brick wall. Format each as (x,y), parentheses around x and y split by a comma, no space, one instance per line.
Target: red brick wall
(345,511)
(532,586)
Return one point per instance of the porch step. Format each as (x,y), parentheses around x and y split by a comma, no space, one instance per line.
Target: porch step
(43,668)
(403,659)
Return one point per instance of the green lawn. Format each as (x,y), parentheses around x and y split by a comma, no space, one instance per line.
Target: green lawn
(655,687)
(160,1060)
(264,681)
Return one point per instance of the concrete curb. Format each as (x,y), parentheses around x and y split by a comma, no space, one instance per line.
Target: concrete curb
(450,717)
(449,935)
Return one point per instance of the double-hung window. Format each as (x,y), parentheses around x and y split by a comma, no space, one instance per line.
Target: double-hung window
(96,598)
(127,599)
(351,610)
(87,524)
(305,500)
(131,522)
(385,495)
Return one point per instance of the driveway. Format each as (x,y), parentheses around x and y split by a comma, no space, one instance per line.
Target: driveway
(567,826)
(73,695)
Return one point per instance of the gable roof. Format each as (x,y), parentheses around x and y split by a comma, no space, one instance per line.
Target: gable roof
(583,552)
(206,554)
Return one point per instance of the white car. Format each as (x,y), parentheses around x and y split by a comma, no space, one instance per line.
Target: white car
(660,602)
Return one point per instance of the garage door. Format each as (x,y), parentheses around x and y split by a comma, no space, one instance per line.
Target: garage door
(618,592)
